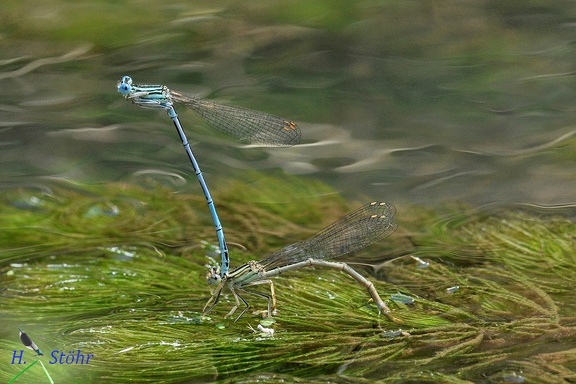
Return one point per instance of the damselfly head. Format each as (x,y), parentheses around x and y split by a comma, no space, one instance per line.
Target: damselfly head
(125,85)
(126,80)
(124,89)
(213,275)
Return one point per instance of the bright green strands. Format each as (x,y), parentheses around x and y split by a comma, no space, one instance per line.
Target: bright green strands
(30,366)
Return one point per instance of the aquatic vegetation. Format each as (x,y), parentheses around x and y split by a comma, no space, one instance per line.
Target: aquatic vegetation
(117,271)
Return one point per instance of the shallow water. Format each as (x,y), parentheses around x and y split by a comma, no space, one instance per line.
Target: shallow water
(455,101)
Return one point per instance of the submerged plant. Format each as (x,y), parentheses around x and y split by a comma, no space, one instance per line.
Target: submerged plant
(118,272)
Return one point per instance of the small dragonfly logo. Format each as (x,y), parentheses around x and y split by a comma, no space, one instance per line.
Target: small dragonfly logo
(28,343)
(17,357)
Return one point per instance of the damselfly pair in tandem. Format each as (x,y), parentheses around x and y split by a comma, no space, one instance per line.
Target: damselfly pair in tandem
(355,231)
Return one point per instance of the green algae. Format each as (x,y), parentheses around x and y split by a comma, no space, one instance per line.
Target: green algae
(118,271)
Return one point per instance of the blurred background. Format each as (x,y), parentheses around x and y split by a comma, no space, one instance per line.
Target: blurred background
(411,101)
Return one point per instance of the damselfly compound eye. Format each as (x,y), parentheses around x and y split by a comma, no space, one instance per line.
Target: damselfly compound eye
(124,88)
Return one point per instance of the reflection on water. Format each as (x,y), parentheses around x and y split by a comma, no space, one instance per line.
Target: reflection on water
(393,102)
